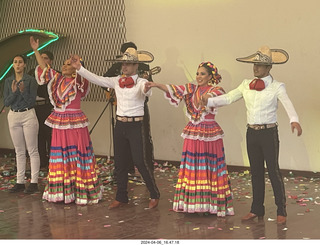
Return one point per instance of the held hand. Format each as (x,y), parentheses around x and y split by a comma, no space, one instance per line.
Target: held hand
(204,99)
(33,43)
(295,125)
(147,86)
(153,84)
(75,61)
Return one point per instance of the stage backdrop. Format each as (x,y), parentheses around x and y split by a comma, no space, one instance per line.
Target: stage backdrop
(183,33)
(94,29)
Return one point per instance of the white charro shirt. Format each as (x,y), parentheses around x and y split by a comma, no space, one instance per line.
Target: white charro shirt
(261,105)
(130,101)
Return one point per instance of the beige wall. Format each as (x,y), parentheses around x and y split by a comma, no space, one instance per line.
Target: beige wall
(183,33)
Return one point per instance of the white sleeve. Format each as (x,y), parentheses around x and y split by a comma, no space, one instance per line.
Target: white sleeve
(142,84)
(287,104)
(226,99)
(107,82)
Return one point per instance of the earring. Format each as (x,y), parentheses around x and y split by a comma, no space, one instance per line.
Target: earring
(74,75)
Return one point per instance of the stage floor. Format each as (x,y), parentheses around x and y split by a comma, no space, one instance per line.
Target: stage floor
(25,216)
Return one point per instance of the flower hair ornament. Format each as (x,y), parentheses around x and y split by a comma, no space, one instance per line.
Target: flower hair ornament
(82,62)
(216,78)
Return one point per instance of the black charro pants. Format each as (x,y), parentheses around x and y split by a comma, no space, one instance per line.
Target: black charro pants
(263,146)
(148,138)
(148,142)
(129,139)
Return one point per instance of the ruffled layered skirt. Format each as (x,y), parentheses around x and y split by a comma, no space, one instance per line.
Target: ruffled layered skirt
(203,185)
(73,172)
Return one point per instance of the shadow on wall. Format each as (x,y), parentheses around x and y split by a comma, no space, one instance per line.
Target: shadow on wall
(232,119)
(172,69)
(167,119)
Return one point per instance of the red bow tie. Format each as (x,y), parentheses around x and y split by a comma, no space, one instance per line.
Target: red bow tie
(257,84)
(126,82)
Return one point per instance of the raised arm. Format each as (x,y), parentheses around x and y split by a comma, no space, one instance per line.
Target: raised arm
(75,61)
(106,82)
(35,45)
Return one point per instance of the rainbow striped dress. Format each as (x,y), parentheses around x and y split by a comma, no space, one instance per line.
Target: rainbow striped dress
(73,172)
(203,185)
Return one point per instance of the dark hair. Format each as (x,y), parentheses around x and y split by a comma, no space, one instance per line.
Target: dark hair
(127,45)
(22,56)
(48,53)
(212,70)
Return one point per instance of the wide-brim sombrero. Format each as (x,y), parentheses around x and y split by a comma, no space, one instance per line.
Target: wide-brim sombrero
(132,55)
(19,44)
(266,56)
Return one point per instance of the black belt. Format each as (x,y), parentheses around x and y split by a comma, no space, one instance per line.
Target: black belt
(22,110)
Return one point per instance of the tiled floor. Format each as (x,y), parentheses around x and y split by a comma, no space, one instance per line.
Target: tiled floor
(25,216)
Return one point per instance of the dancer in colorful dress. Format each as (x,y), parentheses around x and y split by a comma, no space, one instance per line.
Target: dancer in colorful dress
(203,185)
(73,173)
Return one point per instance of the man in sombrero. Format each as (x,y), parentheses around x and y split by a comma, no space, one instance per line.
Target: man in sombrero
(261,96)
(131,93)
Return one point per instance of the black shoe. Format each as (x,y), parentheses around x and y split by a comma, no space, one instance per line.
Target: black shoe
(17,188)
(32,188)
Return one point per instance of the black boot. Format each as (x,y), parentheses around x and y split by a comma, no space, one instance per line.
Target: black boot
(32,188)
(17,188)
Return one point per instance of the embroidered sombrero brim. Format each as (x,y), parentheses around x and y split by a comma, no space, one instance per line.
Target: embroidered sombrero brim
(133,56)
(278,56)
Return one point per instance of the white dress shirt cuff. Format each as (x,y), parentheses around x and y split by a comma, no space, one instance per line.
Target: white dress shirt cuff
(217,101)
